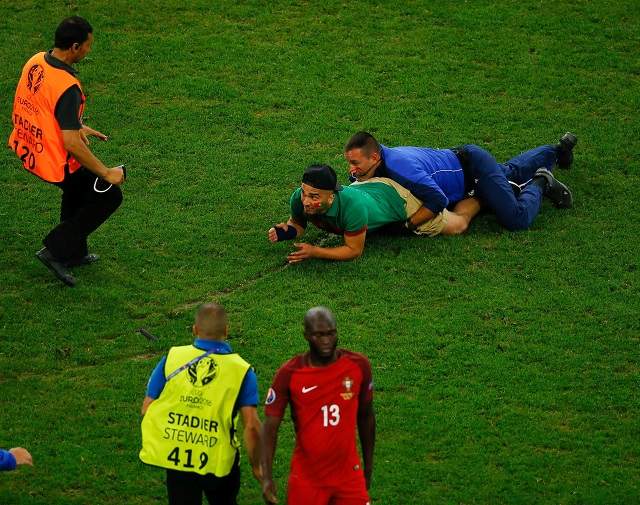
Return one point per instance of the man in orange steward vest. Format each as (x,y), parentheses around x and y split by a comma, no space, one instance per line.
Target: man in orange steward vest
(52,143)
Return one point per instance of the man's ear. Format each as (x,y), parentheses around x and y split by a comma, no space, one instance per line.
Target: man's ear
(194,330)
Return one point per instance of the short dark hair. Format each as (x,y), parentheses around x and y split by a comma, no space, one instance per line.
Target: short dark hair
(316,315)
(73,30)
(364,141)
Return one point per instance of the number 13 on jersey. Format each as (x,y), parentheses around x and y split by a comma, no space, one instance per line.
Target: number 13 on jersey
(330,415)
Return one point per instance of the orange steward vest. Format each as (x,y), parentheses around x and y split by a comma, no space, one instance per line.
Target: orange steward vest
(36,137)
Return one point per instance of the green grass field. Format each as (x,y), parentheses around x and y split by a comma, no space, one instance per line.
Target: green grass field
(506,364)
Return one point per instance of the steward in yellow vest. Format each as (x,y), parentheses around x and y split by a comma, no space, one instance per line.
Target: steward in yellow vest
(191,410)
(192,425)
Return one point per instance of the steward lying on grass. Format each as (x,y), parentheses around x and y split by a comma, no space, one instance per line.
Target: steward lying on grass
(441,178)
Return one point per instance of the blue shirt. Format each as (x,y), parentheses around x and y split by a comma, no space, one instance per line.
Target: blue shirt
(434,176)
(7,460)
(248,396)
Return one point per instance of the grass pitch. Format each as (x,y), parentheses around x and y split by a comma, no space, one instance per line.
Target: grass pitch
(506,364)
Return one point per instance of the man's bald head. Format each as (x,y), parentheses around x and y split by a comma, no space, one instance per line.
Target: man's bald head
(211,322)
(318,315)
(322,335)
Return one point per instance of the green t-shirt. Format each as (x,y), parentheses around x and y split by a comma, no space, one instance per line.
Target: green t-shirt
(356,208)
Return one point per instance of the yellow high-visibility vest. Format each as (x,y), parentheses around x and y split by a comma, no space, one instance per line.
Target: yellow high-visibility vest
(191,426)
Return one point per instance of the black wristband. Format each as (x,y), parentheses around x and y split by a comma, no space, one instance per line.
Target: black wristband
(288,234)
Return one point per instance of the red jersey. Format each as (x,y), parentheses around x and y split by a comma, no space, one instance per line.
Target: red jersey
(324,407)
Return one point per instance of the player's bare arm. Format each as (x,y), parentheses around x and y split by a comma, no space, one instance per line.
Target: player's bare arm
(289,231)
(269,442)
(367,435)
(74,143)
(252,432)
(353,248)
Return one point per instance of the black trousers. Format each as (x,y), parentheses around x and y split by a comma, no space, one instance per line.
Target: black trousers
(82,211)
(186,488)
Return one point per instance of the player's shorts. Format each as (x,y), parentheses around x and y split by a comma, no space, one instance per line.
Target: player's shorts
(301,491)
(433,226)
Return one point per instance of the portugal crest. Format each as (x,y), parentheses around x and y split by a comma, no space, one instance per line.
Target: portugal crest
(347,384)
(203,372)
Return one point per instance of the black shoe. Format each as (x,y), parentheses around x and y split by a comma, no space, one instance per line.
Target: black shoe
(553,189)
(565,150)
(85,260)
(58,268)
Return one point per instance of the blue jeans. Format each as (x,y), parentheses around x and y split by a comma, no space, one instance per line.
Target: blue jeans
(494,191)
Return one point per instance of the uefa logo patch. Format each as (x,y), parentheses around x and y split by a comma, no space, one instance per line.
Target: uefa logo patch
(35,76)
(271,397)
(202,372)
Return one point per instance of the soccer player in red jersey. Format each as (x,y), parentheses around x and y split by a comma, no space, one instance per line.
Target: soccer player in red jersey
(330,390)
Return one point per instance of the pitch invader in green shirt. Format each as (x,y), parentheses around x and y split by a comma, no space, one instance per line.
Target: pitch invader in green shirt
(354,210)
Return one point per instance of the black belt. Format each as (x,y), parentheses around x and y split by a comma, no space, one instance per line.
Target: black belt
(465,163)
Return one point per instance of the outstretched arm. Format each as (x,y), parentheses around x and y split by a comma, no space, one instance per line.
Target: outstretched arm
(367,434)
(269,443)
(75,143)
(353,248)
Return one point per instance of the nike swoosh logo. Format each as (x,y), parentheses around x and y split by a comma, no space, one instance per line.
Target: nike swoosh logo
(306,390)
